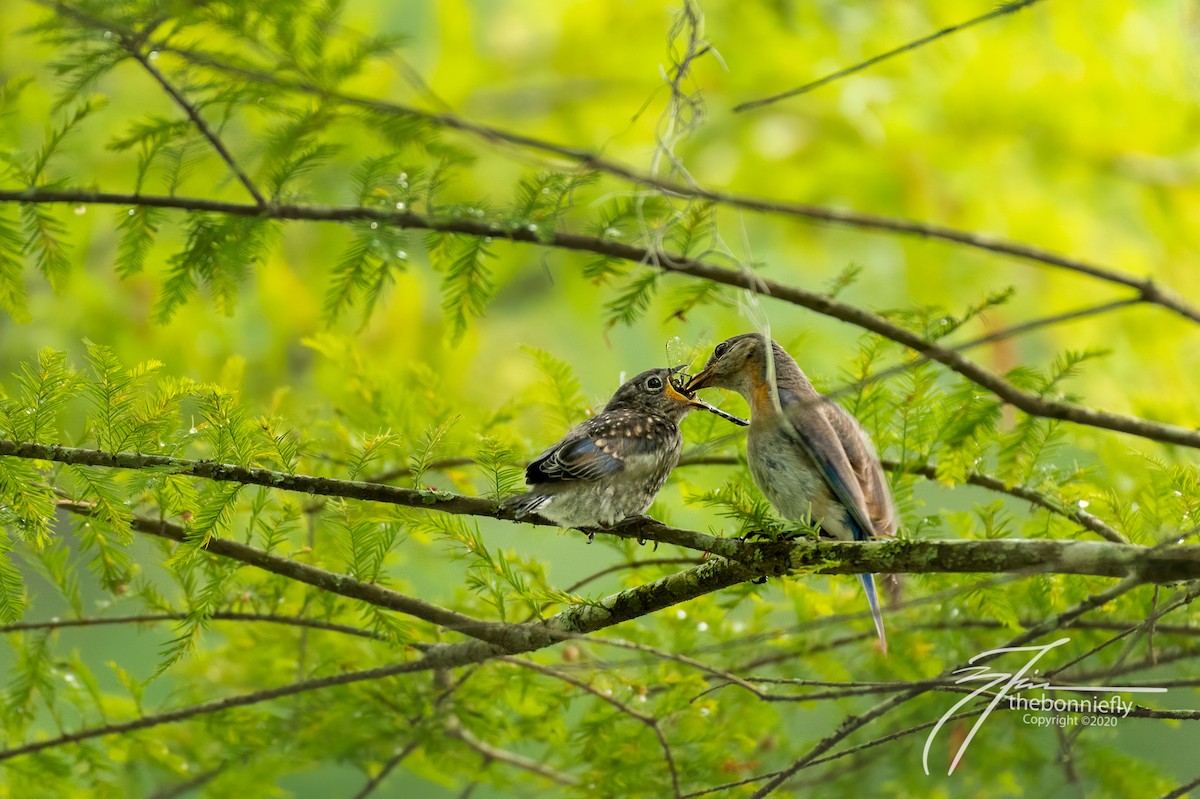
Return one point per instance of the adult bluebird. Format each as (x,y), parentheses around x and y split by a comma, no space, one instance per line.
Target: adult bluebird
(809,456)
(611,466)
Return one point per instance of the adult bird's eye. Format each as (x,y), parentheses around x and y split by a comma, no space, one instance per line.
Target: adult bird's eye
(720,349)
(654,383)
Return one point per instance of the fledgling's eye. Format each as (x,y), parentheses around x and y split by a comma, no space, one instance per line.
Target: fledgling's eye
(720,349)
(654,383)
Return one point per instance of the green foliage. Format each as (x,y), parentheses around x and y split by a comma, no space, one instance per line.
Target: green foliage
(220,252)
(373,321)
(467,283)
(749,509)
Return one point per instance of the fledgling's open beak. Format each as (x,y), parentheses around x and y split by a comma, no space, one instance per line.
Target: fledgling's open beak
(686,394)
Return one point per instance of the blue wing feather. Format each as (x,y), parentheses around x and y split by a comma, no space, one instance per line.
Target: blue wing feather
(580,459)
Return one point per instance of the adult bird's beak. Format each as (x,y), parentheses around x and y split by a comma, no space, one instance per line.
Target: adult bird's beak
(699,381)
(686,394)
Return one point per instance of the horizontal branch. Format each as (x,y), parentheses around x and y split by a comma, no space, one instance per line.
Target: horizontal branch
(349,489)
(149,618)
(1027,401)
(754,558)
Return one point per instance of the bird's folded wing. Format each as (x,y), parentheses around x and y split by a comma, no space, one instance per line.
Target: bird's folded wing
(574,459)
(599,447)
(865,462)
(812,429)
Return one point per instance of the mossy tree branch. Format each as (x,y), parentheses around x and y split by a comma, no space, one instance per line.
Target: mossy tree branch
(752,560)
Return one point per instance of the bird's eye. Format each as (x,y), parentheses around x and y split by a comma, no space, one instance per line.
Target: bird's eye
(654,383)
(720,349)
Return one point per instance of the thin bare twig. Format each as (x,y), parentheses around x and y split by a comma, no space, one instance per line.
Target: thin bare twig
(135,50)
(387,768)
(854,723)
(1007,8)
(645,719)
(144,618)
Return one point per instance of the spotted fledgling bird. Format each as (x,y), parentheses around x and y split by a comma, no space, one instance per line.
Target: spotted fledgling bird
(809,457)
(611,466)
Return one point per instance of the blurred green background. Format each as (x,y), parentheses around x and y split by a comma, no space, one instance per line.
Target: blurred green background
(1070,126)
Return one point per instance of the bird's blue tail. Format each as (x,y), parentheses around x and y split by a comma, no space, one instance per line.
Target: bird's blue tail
(868,584)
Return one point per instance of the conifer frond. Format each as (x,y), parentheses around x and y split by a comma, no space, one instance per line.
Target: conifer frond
(562,392)
(12,585)
(748,508)
(633,298)
(692,232)
(44,233)
(138,228)
(213,518)
(220,251)
(373,447)
(500,465)
(204,603)
(26,502)
(427,448)
(12,283)
(113,392)
(42,390)
(467,281)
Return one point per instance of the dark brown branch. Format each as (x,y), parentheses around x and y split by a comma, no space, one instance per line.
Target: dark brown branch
(1080,517)
(1148,291)
(147,618)
(1182,790)
(387,768)
(1007,8)
(1028,402)
(343,585)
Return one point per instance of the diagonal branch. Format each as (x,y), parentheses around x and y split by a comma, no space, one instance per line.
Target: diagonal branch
(1029,402)
(1148,291)
(343,585)
(570,623)
(854,723)
(1007,8)
(135,50)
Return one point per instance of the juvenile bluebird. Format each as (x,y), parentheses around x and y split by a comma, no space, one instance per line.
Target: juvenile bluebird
(611,466)
(809,457)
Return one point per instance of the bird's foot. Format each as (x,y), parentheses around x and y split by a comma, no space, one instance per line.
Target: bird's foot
(772,535)
(639,520)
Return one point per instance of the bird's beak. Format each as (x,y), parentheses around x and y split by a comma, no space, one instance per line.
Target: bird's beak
(695,402)
(699,381)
